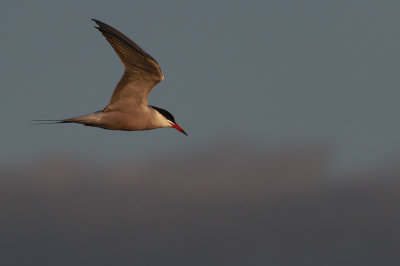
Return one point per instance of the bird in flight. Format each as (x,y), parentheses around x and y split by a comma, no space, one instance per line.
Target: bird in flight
(128,109)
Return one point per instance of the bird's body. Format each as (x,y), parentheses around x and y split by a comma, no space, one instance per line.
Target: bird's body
(128,108)
(132,119)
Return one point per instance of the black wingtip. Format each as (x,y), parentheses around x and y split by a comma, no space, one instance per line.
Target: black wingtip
(98,22)
(100,25)
(110,32)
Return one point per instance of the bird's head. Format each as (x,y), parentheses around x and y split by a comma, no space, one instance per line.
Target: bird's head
(169,119)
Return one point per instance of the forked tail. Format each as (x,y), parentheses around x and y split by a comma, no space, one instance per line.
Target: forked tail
(87,120)
(49,121)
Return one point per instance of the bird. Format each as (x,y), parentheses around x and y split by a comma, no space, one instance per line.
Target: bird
(128,109)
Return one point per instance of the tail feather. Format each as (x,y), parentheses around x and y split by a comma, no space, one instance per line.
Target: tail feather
(87,120)
(50,121)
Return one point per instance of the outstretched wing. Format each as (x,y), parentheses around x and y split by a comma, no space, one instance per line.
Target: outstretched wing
(141,74)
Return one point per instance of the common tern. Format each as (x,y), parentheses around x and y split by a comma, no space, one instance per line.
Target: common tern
(128,108)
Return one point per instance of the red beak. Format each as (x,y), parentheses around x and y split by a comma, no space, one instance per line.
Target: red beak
(179,128)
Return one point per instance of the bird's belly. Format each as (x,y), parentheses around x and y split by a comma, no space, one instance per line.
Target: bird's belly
(126,122)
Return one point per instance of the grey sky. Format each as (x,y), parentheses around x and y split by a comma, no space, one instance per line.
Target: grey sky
(271,72)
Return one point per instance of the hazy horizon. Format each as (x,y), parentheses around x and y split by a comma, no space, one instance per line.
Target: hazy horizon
(225,205)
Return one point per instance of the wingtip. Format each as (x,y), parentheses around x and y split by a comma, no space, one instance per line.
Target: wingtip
(98,22)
